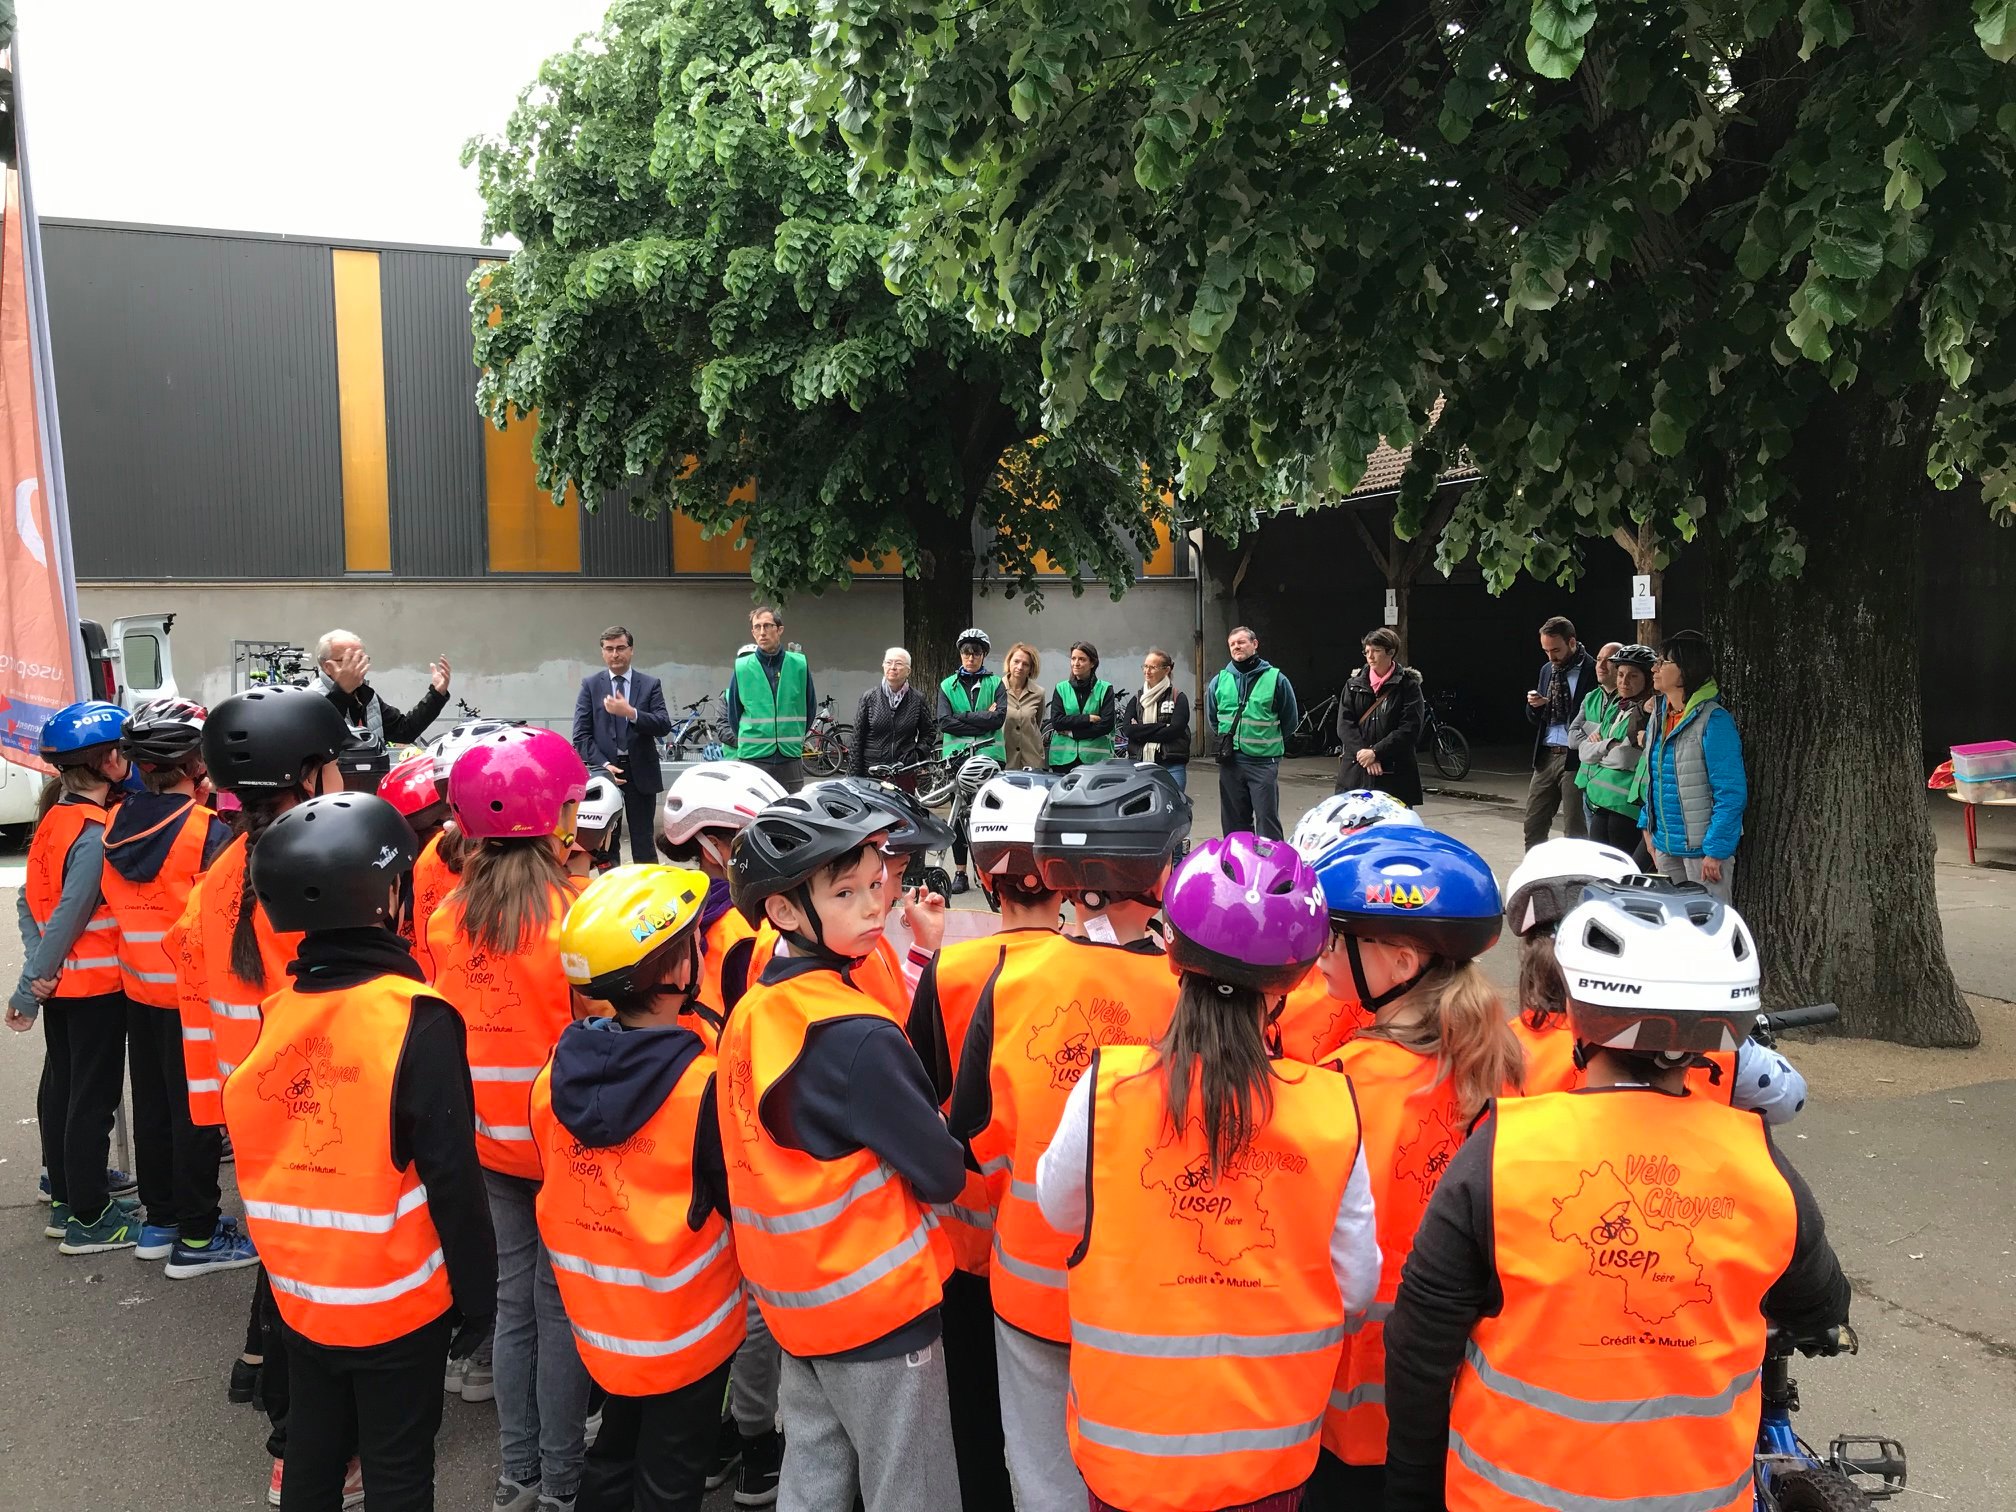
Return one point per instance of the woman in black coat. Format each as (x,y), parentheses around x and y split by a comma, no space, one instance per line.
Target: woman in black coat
(892,723)
(1379,721)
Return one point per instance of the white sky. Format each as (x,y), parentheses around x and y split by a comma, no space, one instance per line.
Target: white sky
(274,115)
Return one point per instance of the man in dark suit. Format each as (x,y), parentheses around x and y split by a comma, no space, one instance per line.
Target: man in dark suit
(617,721)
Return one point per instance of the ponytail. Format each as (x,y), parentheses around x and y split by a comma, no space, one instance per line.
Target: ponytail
(1466,1032)
(1215,1038)
(455,849)
(1543,993)
(248,962)
(511,890)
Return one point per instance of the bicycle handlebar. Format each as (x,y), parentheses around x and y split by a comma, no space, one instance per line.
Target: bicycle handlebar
(1800,1018)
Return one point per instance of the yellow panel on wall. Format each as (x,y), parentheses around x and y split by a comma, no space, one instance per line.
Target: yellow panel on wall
(693,553)
(1162,560)
(360,411)
(528,531)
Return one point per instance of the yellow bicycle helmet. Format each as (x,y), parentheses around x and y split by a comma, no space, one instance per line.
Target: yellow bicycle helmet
(625,919)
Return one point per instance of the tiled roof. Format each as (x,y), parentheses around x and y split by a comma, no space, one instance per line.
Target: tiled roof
(1383,469)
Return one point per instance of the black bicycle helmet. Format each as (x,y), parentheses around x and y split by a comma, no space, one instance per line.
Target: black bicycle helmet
(1644,658)
(914,827)
(973,635)
(1111,828)
(783,848)
(267,738)
(330,863)
(163,731)
(364,761)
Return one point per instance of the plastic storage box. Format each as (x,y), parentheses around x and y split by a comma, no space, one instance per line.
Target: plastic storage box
(1986,789)
(1984,760)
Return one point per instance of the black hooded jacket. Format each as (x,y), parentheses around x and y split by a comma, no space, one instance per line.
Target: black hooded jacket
(145,827)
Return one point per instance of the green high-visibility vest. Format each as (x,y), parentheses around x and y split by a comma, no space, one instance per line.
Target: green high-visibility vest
(1260,727)
(982,699)
(1069,750)
(773,720)
(1613,788)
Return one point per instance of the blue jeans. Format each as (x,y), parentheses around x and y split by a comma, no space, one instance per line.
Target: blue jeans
(1181,772)
(542,1386)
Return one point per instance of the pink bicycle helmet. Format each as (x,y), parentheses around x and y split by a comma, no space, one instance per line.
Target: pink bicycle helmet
(515,784)
(1247,911)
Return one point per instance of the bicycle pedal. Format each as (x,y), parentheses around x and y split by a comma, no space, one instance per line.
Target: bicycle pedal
(1875,1464)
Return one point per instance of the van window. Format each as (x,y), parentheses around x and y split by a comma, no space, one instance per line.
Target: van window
(142,655)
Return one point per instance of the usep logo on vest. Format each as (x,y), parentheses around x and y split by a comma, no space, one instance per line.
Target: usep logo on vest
(303,1079)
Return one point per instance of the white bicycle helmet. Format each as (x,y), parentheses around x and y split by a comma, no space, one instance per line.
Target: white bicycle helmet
(974,635)
(1550,880)
(717,795)
(1657,968)
(445,748)
(601,806)
(1002,826)
(976,772)
(1344,814)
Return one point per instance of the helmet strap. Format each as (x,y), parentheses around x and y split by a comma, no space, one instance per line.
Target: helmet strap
(814,944)
(1366,998)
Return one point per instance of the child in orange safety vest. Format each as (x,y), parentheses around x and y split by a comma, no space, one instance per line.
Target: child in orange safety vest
(835,1151)
(633,1206)
(70,968)
(1410,911)
(706,807)
(1221,1212)
(410,788)
(493,950)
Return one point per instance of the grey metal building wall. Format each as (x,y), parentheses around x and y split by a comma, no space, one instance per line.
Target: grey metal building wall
(196,383)
(617,543)
(433,435)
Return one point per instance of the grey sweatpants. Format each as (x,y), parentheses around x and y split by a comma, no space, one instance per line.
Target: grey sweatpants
(1688,869)
(1035,1380)
(879,1427)
(752,1380)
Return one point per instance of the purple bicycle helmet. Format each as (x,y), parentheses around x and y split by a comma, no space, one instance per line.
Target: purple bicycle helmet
(1247,911)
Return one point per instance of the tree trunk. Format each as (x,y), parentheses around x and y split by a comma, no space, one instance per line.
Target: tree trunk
(938,595)
(1835,871)
(1641,544)
(1403,594)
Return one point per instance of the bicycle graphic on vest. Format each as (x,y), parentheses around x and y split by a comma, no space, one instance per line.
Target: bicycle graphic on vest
(1227,1208)
(1196,1174)
(1424,1158)
(491,990)
(303,1079)
(1615,1227)
(1067,1040)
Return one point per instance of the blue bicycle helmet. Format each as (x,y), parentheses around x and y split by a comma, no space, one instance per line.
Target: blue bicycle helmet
(1393,882)
(77,734)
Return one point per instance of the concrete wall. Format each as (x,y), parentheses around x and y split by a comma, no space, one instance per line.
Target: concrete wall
(519,650)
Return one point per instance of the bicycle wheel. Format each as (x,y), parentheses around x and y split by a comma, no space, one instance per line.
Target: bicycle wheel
(1815,1489)
(934,784)
(836,749)
(1452,753)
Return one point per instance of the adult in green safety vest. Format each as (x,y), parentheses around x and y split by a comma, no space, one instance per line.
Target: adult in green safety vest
(1081,713)
(770,702)
(972,708)
(1252,706)
(1613,751)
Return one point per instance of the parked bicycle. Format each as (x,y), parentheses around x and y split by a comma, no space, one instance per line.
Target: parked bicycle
(956,776)
(829,745)
(1316,733)
(1859,1470)
(695,737)
(1442,740)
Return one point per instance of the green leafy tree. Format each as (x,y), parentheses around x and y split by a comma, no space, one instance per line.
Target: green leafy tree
(698,304)
(1736,269)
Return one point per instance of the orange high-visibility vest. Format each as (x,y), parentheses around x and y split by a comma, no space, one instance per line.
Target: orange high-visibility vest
(514,1006)
(1635,1237)
(1412,1130)
(345,1235)
(728,930)
(879,974)
(91,969)
(220,1010)
(432,881)
(962,972)
(1206,1321)
(838,1253)
(146,911)
(1313,1024)
(1550,1063)
(1055,1003)
(654,1303)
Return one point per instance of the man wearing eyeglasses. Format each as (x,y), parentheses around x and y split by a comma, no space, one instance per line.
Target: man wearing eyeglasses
(770,702)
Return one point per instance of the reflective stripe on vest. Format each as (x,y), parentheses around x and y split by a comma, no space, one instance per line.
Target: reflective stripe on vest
(1066,750)
(1206,1321)
(1055,1002)
(514,1006)
(146,911)
(770,721)
(91,967)
(980,700)
(345,1235)
(606,1212)
(231,1004)
(837,1252)
(1608,787)
(1259,733)
(1623,1225)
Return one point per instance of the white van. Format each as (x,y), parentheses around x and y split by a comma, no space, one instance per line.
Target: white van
(128,668)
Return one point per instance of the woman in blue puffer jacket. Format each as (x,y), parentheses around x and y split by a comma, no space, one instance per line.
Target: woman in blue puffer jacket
(1692,782)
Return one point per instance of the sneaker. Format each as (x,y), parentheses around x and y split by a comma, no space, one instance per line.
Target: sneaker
(157,1241)
(959,885)
(591,1430)
(556,1504)
(113,1229)
(762,1458)
(244,1385)
(273,1486)
(451,1378)
(59,1220)
(229,1248)
(121,1183)
(515,1496)
(225,1154)
(479,1384)
(353,1485)
(42,1185)
(727,1454)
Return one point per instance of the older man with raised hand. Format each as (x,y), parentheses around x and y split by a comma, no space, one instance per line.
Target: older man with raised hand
(770,702)
(345,668)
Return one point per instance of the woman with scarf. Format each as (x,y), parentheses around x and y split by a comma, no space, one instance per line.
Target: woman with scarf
(892,723)
(1379,722)
(1157,719)
(1026,739)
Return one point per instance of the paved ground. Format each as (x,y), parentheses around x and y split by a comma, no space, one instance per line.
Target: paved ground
(114,1375)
